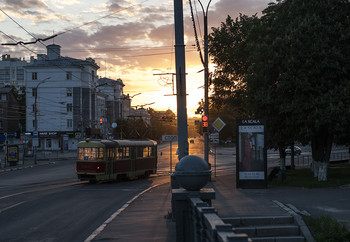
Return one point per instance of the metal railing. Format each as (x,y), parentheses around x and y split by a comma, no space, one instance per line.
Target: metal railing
(306,160)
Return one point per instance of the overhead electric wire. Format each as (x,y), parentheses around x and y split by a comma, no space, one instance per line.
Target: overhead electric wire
(39,40)
(65,32)
(195,33)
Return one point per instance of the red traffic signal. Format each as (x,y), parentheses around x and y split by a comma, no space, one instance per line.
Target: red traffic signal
(101,121)
(205,123)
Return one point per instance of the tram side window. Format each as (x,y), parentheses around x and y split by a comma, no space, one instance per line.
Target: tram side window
(151,151)
(90,154)
(123,153)
(126,152)
(144,152)
(119,153)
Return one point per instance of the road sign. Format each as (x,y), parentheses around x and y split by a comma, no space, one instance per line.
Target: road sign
(214,138)
(77,135)
(169,137)
(35,142)
(218,124)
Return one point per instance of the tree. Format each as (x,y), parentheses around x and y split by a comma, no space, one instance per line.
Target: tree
(162,123)
(293,63)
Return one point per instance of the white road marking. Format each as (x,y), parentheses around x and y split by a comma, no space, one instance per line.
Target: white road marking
(12,206)
(114,215)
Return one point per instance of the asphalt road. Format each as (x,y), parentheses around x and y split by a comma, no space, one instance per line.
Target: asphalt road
(49,203)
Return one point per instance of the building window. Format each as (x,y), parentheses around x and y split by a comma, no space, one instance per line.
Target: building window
(69,123)
(69,75)
(13,73)
(34,92)
(20,74)
(69,92)
(5,74)
(34,76)
(69,107)
(93,75)
(34,125)
(3,97)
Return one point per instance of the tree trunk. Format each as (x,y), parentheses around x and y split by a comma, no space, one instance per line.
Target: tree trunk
(322,171)
(321,144)
(315,166)
(282,171)
(292,165)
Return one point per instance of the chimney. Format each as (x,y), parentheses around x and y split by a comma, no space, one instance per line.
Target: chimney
(53,51)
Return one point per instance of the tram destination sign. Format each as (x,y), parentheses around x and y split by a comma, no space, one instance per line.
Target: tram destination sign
(169,137)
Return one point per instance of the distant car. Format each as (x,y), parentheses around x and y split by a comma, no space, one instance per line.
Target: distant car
(297,150)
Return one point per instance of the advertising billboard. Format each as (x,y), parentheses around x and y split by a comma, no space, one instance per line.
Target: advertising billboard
(12,154)
(251,163)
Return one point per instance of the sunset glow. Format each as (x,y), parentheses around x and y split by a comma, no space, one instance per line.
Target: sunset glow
(129,39)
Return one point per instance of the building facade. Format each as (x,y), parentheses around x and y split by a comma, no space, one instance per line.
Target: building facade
(61,99)
(9,116)
(65,101)
(12,71)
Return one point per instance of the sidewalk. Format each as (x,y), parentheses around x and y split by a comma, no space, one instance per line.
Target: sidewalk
(146,219)
(42,158)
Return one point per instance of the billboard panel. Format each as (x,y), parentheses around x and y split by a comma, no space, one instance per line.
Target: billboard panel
(251,165)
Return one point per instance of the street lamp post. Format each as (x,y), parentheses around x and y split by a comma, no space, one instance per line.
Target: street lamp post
(206,78)
(180,80)
(36,118)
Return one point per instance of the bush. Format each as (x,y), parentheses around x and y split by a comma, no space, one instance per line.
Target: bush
(327,229)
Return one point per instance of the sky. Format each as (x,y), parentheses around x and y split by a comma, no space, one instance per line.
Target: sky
(129,39)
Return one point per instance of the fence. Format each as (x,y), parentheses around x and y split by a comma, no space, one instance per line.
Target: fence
(306,160)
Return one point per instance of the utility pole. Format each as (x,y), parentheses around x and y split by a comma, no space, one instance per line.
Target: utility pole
(206,79)
(36,118)
(180,80)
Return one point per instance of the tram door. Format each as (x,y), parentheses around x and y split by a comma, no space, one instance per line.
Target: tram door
(133,155)
(109,162)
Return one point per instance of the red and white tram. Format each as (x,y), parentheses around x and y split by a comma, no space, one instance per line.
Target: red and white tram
(116,159)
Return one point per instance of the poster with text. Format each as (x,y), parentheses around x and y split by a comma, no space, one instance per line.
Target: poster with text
(251,161)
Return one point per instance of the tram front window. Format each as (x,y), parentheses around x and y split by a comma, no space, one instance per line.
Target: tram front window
(90,153)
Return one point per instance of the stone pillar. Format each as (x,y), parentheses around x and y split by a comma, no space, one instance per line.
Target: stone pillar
(181,210)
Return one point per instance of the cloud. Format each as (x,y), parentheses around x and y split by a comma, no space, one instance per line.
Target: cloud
(221,9)
(20,4)
(132,37)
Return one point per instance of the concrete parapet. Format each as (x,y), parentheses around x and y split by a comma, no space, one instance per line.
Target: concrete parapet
(197,221)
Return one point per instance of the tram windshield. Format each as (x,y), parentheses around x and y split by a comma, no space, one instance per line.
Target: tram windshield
(90,153)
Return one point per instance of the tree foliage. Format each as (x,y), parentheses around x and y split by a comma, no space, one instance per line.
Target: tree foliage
(291,66)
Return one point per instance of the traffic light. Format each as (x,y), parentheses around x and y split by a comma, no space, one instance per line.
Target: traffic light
(205,123)
(101,121)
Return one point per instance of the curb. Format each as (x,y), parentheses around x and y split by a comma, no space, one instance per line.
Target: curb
(119,211)
(303,227)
